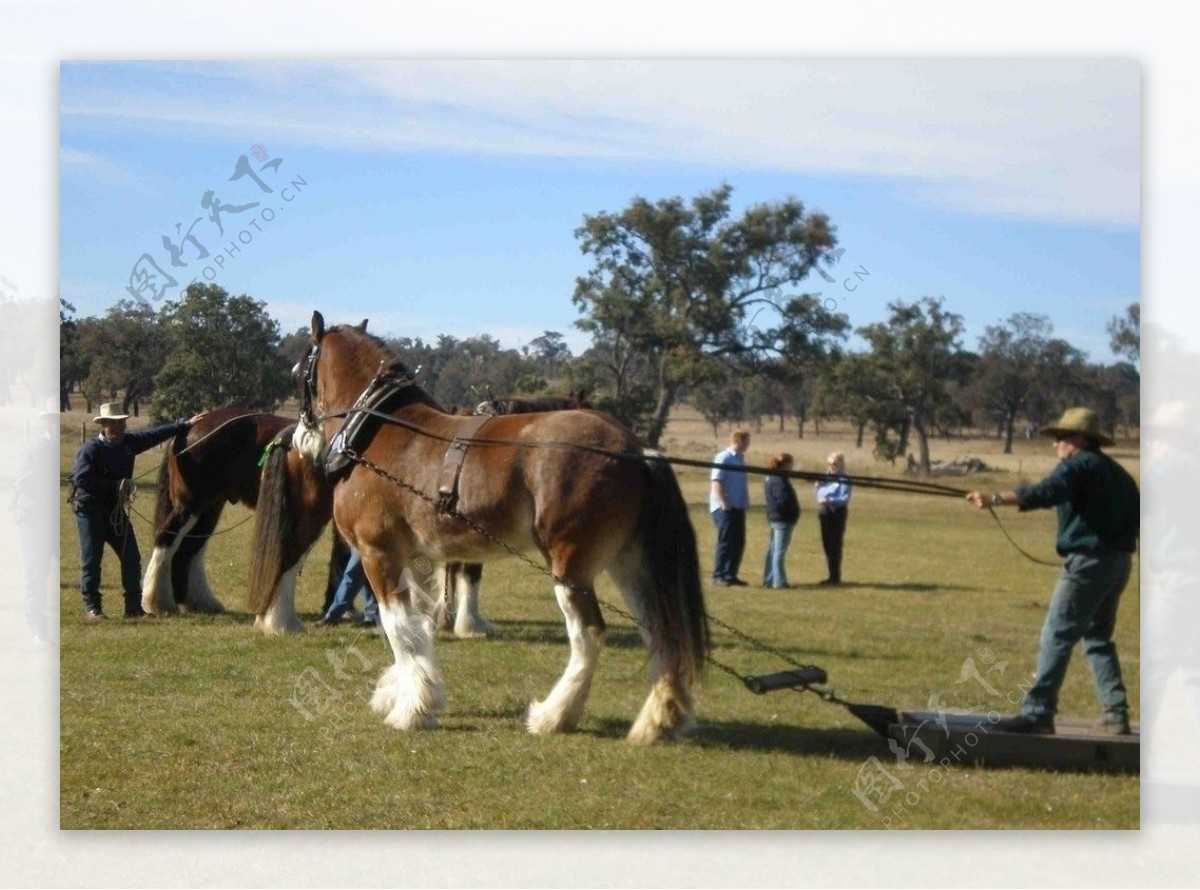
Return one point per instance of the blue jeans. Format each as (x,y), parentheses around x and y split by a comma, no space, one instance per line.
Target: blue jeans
(1083,607)
(731,543)
(354,578)
(774,570)
(101,524)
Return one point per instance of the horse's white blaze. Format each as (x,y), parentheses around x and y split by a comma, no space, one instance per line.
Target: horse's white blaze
(308,440)
(281,617)
(157,595)
(410,692)
(563,707)
(468,621)
(200,595)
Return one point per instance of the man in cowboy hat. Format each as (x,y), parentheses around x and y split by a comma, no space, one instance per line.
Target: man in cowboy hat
(1098,524)
(103,482)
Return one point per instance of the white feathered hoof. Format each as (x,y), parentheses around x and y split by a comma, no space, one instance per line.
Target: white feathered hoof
(544,719)
(665,715)
(409,699)
(273,625)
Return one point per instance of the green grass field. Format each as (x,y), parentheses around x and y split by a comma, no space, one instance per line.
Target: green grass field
(200,722)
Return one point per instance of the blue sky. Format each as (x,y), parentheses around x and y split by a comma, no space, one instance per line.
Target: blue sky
(442,197)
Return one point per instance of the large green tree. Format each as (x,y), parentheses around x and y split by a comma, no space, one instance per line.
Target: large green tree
(1019,362)
(224,352)
(676,283)
(915,357)
(123,351)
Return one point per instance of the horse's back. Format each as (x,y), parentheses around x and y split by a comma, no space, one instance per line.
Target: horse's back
(223,449)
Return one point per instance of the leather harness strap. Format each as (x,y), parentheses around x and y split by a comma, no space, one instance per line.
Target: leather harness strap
(453,460)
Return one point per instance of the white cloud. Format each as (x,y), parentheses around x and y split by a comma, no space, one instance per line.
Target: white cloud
(1048,139)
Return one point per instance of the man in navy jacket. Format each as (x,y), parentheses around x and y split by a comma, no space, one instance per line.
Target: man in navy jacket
(103,482)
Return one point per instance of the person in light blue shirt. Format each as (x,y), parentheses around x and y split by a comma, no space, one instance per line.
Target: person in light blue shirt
(833,509)
(728,500)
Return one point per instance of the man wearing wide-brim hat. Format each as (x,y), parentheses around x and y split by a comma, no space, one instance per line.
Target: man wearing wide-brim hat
(103,481)
(1099,520)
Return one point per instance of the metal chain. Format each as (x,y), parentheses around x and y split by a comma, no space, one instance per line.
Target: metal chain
(825,694)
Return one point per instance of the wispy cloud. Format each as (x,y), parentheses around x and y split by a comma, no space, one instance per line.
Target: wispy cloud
(1042,139)
(76,162)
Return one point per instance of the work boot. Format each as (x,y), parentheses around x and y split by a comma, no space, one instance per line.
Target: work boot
(1042,724)
(1114,723)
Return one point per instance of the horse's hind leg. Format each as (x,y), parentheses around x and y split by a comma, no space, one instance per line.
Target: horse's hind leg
(410,692)
(157,597)
(563,707)
(189,562)
(667,712)
(468,622)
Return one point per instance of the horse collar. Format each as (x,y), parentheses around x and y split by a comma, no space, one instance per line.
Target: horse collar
(363,419)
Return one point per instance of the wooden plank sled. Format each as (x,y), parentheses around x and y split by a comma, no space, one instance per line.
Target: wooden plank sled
(1075,746)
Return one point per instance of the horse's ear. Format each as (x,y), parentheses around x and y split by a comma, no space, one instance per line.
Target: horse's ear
(317,327)
(363,327)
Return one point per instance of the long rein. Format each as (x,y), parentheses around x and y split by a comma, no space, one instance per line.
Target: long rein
(911,486)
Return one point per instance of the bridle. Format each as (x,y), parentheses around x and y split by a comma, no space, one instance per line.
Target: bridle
(308,387)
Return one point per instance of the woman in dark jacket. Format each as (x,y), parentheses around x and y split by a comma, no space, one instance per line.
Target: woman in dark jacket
(783,512)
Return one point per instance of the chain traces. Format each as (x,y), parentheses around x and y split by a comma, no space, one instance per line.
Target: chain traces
(826,695)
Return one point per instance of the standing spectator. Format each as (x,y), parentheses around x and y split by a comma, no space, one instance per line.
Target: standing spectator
(103,484)
(354,578)
(727,502)
(1099,519)
(35,508)
(783,512)
(833,508)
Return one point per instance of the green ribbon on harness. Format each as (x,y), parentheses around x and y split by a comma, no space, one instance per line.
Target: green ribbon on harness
(271,446)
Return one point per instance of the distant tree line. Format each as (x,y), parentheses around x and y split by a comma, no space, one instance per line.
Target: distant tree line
(684,302)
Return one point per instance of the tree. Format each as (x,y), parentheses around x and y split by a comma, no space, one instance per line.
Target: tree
(123,352)
(1017,362)
(224,352)
(1125,334)
(72,366)
(916,355)
(719,396)
(674,283)
(549,352)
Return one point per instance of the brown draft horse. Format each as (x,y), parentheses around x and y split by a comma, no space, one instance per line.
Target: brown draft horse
(572,486)
(214,463)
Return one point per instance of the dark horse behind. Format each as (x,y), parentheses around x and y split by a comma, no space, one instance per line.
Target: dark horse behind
(214,463)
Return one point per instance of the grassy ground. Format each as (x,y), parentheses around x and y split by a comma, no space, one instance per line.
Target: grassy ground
(198,722)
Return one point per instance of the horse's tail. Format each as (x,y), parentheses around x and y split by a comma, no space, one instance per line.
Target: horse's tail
(163,505)
(674,605)
(274,529)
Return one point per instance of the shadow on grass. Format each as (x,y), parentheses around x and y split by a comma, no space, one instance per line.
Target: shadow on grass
(738,735)
(904,587)
(553,633)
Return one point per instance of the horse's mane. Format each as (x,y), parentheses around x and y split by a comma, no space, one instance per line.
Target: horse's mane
(394,367)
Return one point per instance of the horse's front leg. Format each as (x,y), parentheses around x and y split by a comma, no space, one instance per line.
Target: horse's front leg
(410,693)
(157,595)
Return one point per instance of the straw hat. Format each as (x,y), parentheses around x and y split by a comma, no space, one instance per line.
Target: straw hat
(110,411)
(51,409)
(1077,421)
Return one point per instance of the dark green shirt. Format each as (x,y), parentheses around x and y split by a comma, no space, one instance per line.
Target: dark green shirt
(1099,507)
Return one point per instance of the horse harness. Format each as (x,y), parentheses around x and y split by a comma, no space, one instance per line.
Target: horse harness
(363,419)
(452,462)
